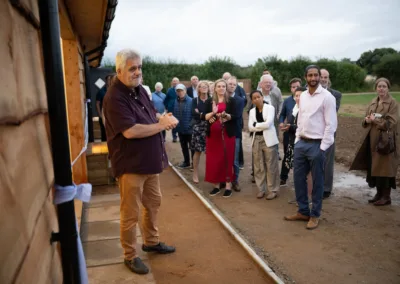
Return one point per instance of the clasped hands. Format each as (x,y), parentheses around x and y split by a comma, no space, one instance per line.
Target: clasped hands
(284,127)
(224,117)
(168,121)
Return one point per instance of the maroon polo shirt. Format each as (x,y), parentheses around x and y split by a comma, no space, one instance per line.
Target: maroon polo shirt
(123,108)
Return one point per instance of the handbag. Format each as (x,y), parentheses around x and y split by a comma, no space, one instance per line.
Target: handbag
(386,141)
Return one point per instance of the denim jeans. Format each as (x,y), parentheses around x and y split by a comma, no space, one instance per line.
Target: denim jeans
(174,133)
(308,156)
(236,170)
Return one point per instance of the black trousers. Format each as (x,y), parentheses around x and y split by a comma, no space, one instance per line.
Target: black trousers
(185,140)
(102,130)
(285,170)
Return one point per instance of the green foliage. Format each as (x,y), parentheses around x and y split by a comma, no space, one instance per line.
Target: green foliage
(389,67)
(364,99)
(370,58)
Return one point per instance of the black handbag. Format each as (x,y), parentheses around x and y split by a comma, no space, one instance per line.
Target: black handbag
(386,141)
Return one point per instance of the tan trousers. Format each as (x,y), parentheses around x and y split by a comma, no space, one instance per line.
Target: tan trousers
(266,165)
(136,189)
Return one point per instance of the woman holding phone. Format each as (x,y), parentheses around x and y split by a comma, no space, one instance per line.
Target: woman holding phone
(380,123)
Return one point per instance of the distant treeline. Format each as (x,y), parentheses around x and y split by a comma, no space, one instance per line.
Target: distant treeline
(345,75)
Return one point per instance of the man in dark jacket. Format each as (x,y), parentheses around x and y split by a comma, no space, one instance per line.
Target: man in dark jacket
(170,102)
(287,109)
(192,90)
(239,103)
(239,92)
(330,152)
(183,112)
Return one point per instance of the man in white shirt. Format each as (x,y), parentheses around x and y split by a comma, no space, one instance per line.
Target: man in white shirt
(316,126)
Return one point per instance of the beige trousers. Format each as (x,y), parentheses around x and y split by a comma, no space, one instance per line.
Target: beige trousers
(135,190)
(266,165)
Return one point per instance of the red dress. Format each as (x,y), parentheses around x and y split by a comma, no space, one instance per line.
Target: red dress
(219,159)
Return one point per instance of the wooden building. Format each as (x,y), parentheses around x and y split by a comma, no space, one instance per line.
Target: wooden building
(28,147)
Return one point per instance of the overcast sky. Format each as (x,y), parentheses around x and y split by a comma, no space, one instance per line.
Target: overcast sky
(193,30)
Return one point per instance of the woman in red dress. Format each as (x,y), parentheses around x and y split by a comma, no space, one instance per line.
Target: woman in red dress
(220,141)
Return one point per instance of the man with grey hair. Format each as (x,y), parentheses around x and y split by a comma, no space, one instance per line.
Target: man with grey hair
(274,98)
(239,92)
(137,153)
(170,103)
(330,152)
(192,90)
(239,101)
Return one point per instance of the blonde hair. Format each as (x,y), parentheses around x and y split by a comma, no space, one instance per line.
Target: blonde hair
(215,96)
(203,83)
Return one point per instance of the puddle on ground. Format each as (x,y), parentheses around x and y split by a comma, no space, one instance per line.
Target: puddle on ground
(349,185)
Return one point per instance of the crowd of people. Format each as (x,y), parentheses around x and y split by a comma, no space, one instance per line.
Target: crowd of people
(207,117)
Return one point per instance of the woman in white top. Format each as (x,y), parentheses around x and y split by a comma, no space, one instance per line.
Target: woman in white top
(265,146)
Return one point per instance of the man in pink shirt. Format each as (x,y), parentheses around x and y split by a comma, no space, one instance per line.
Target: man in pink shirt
(316,125)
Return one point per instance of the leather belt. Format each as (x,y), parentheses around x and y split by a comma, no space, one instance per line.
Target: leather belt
(305,139)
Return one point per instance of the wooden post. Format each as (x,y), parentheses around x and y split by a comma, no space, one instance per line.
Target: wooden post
(75,106)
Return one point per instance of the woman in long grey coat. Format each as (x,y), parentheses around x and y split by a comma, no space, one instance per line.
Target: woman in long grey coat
(381,115)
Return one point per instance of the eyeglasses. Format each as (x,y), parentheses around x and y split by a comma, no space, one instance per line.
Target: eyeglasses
(204,86)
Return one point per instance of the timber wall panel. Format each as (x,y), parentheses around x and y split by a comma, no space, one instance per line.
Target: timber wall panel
(28,174)
(27,215)
(38,260)
(21,68)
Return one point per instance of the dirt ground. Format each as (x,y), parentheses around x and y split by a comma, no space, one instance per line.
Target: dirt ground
(355,242)
(206,252)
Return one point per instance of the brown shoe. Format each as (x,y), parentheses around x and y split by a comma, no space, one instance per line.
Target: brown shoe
(235,186)
(313,223)
(260,195)
(271,195)
(297,217)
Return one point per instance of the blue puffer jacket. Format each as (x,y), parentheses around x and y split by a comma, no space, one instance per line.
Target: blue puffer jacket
(183,112)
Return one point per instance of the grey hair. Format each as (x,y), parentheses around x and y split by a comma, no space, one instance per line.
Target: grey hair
(123,56)
(267,76)
(232,78)
(194,77)
(159,84)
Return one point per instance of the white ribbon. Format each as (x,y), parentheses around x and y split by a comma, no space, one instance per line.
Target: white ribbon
(67,193)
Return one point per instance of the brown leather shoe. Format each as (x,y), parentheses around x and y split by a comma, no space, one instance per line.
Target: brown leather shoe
(297,217)
(312,223)
(271,195)
(260,195)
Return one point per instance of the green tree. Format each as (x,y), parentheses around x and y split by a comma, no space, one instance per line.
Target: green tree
(389,67)
(214,67)
(370,58)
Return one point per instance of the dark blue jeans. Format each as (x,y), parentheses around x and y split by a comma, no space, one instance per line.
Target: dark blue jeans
(309,157)
(236,170)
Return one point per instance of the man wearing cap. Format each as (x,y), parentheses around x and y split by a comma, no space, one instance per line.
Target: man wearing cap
(183,112)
